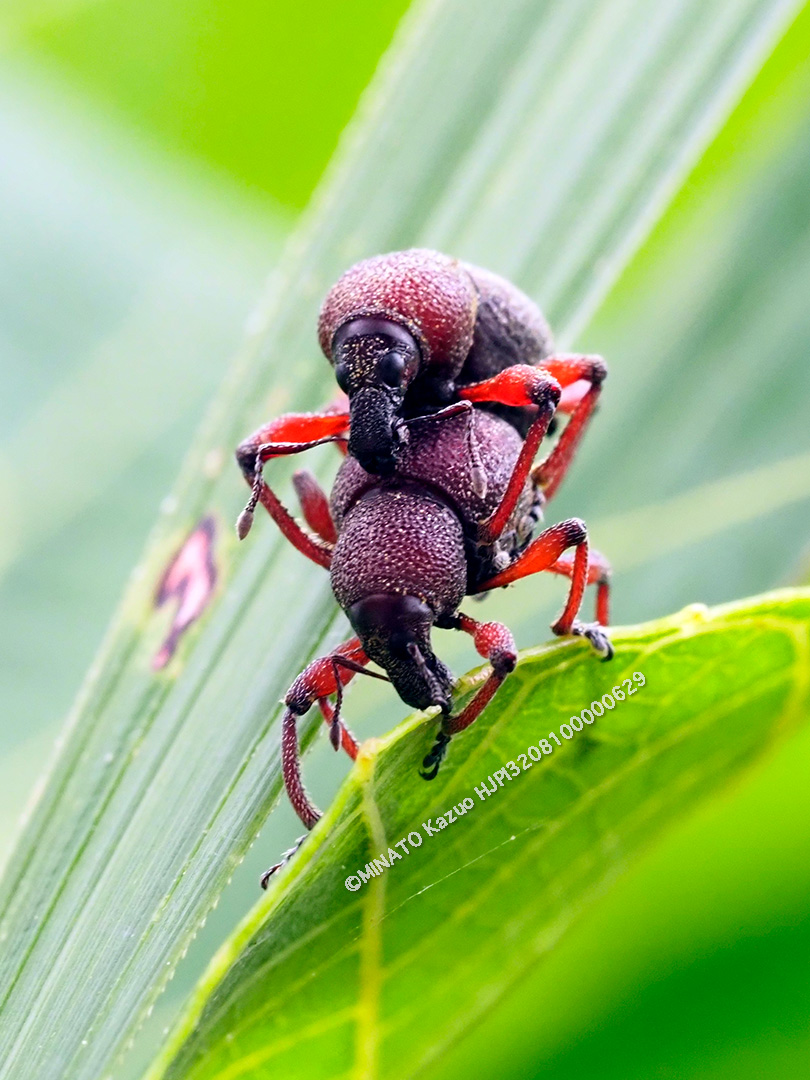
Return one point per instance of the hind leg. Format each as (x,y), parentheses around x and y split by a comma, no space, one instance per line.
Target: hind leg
(547,553)
(598,575)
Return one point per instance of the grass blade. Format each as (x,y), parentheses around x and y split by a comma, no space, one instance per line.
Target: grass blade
(165,778)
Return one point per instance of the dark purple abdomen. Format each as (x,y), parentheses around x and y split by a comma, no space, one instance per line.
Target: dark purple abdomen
(396,538)
(509,329)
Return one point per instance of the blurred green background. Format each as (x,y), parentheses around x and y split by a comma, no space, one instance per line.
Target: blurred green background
(154,158)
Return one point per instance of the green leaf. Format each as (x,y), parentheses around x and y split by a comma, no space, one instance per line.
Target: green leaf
(124,287)
(548,161)
(320,981)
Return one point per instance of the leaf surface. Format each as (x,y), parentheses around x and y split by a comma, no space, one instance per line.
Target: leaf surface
(321,981)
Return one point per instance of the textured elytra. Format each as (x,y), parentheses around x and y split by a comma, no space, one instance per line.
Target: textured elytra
(470,323)
(509,328)
(417,544)
(428,293)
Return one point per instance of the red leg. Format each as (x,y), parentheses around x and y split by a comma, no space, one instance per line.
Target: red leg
(289,434)
(569,370)
(314,505)
(495,643)
(325,676)
(545,553)
(291,428)
(518,385)
(598,574)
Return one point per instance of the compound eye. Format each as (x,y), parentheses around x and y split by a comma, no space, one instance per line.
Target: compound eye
(342,377)
(391,368)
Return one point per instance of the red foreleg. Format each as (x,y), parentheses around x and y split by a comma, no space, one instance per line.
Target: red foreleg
(289,434)
(291,428)
(314,505)
(569,370)
(518,385)
(328,675)
(495,643)
(347,740)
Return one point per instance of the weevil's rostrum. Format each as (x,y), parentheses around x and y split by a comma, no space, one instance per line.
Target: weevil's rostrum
(450,384)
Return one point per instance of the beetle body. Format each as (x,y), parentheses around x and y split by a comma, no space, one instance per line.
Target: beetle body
(405,331)
(413,538)
(452,386)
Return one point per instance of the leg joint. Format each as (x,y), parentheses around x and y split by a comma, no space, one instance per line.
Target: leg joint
(598,372)
(544,389)
(245,454)
(504,662)
(494,641)
(299,697)
(576,531)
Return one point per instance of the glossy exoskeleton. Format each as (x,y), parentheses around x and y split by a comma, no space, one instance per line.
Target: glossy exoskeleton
(451,385)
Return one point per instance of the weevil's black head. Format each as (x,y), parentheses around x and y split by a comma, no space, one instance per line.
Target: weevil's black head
(375,360)
(395,632)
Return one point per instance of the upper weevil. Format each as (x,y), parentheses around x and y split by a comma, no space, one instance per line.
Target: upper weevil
(452,384)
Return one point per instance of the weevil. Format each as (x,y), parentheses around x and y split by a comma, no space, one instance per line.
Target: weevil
(449,386)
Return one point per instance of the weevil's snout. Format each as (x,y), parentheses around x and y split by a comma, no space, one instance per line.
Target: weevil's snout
(395,632)
(423,680)
(375,361)
(374,437)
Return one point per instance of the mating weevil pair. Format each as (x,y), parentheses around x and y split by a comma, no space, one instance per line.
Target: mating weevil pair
(450,384)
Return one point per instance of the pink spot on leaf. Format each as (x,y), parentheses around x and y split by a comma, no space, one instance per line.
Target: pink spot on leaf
(190,579)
